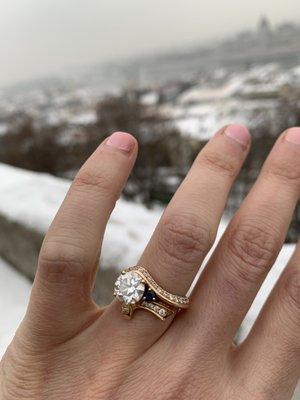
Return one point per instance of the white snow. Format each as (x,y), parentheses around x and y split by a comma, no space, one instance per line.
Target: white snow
(3,129)
(205,94)
(14,297)
(86,118)
(30,198)
(150,98)
(128,231)
(200,120)
(33,199)
(259,79)
(247,97)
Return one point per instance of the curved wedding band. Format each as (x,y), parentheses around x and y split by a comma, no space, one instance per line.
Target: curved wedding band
(136,289)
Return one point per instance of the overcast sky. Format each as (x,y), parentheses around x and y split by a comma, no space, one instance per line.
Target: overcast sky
(40,37)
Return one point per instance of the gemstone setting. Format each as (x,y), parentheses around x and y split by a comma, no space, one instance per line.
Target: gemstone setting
(160,310)
(178,301)
(150,295)
(129,288)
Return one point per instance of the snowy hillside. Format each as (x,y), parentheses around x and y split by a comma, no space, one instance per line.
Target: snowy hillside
(248,97)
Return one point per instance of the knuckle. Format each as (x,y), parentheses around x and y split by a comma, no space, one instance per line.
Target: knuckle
(253,249)
(63,263)
(221,163)
(87,180)
(183,239)
(286,170)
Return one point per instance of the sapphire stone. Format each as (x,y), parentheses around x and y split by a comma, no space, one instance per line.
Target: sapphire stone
(150,295)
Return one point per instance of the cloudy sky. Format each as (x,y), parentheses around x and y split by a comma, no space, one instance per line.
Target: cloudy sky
(40,37)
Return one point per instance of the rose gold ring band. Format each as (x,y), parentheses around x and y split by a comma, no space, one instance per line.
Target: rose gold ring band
(136,289)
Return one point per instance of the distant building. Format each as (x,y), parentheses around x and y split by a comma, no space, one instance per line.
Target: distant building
(266,43)
(264,27)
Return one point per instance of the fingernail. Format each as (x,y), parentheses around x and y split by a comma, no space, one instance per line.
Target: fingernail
(121,140)
(238,133)
(293,135)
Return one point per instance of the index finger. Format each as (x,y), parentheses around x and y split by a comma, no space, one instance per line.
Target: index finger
(69,255)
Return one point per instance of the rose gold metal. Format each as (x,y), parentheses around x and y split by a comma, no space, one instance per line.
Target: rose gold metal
(166,304)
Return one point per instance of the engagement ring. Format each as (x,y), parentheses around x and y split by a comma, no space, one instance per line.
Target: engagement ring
(136,289)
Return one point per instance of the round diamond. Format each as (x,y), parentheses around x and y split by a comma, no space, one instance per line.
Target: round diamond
(162,312)
(129,288)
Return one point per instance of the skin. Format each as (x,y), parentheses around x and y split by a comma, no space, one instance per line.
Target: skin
(68,348)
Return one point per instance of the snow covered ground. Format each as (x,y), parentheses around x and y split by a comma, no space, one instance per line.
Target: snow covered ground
(14,296)
(33,199)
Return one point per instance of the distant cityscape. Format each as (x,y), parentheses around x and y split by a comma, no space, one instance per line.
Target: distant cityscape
(252,78)
(255,66)
(265,44)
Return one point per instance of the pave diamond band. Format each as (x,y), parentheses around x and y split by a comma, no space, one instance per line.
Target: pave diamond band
(136,289)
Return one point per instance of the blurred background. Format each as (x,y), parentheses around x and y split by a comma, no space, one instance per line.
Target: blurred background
(171,73)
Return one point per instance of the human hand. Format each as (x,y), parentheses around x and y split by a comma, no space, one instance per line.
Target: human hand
(68,348)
